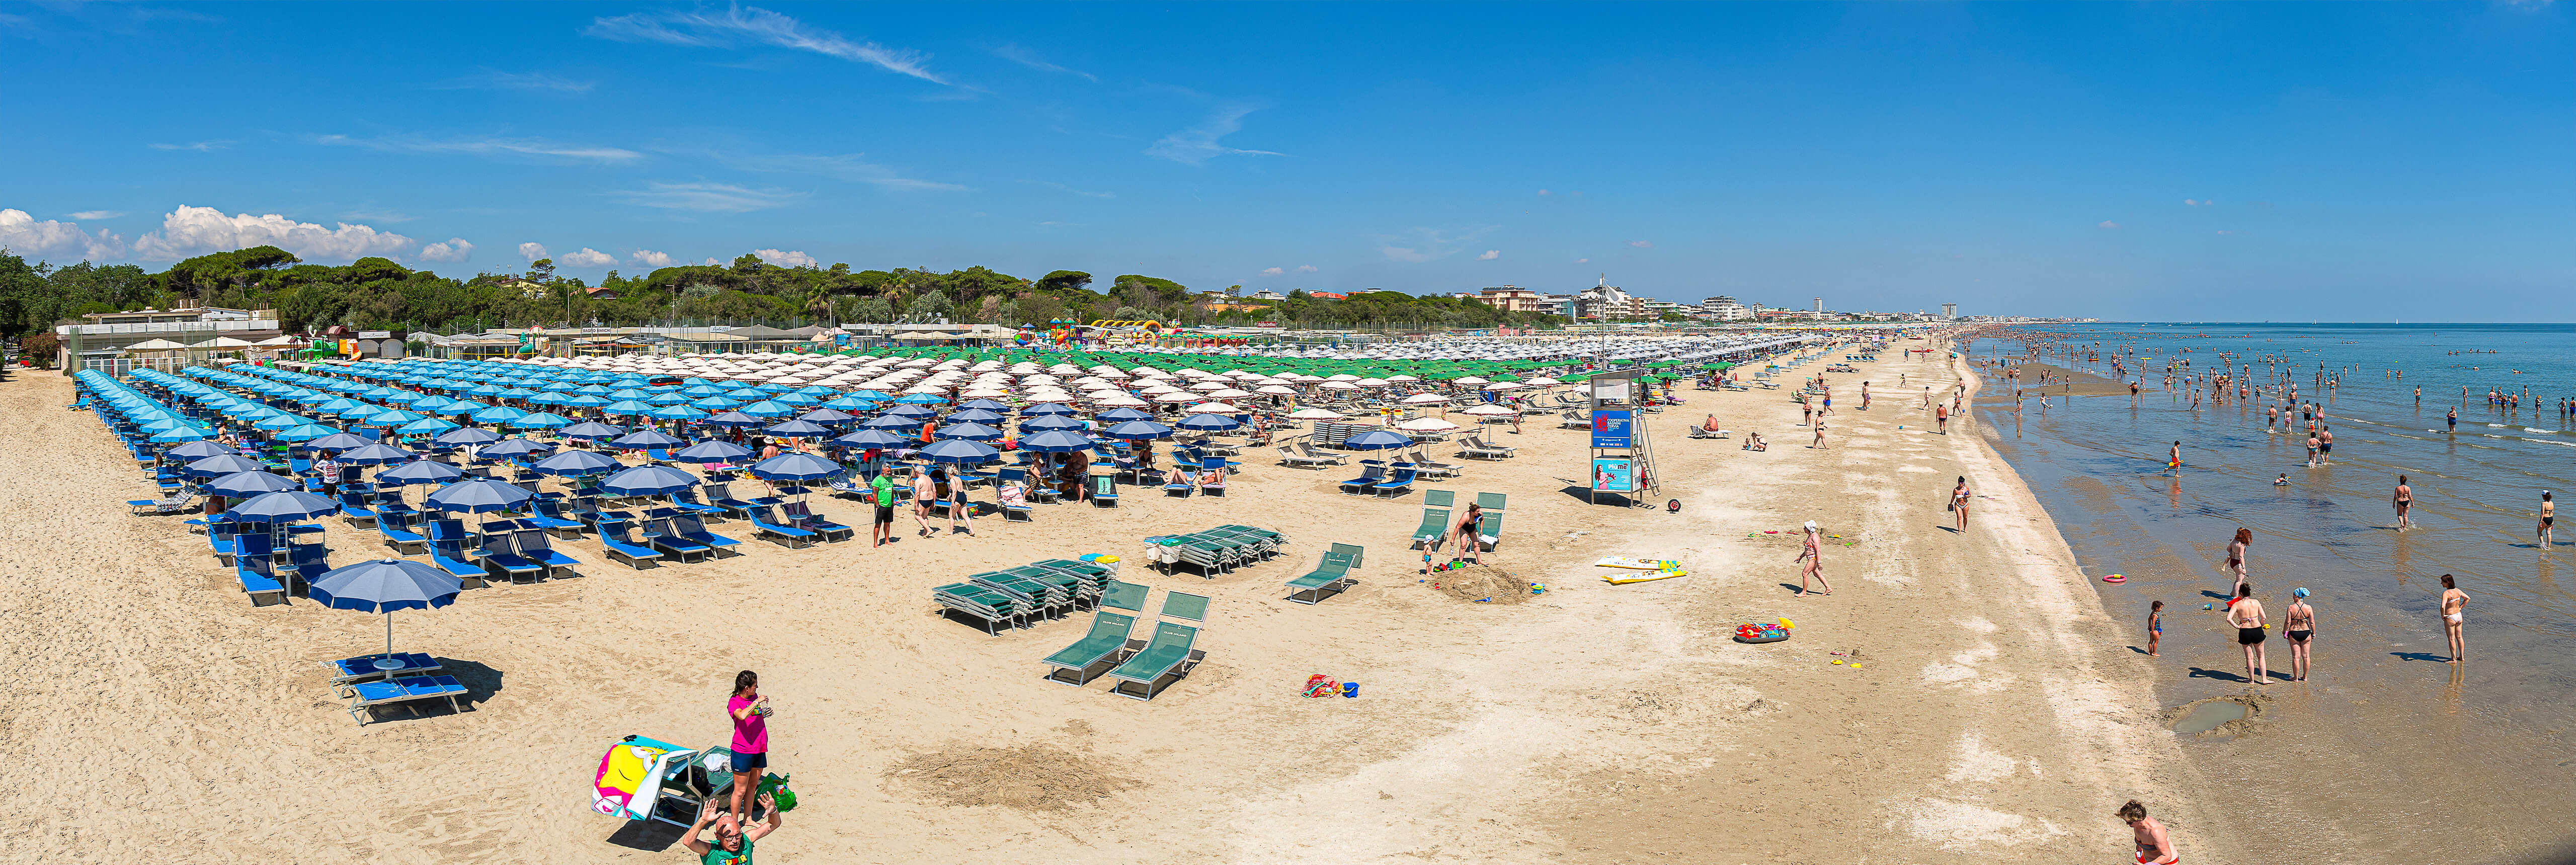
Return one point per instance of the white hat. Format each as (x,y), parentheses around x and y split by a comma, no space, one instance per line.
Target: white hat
(1811,525)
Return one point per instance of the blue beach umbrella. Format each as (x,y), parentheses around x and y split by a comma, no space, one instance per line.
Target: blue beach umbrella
(1046,408)
(219,465)
(375,454)
(246,484)
(573,463)
(513,448)
(921,399)
(825,416)
(421,472)
(987,418)
(711,451)
(198,451)
(645,440)
(1056,441)
(477,496)
(466,436)
(540,420)
(1375,440)
(593,430)
(891,423)
(797,429)
(973,432)
(653,480)
(735,418)
(424,426)
(383,586)
(676,412)
(1214,423)
(1138,430)
(180,434)
(497,414)
(869,438)
(960,452)
(283,506)
(1122,415)
(794,467)
(767,409)
(1050,423)
(304,433)
(985,405)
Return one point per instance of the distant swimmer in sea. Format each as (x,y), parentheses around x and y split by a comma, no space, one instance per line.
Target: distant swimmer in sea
(2404,499)
(2454,604)
(2247,615)
(2282,481)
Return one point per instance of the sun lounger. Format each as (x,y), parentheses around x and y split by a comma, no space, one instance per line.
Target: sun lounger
(1308,449)
(687,500)
(1098,651)
(1489,529)
(1434,528)
(1429,468)
(552,517)
(770,527)
(365,696)
(614,540)
(532,544)
(1170,656)
(1329,578)
(403,541)
(346,670)
(802,516)
(501,559)
(989,608)
(1369,477)
(161,507)
(1104,491)
(1699,432)
(259,580)
(1288,456)
(1047,599)
(449,555)
(658,534)
(690,526)
(1181,489)
(1574,420)
(721,497)
(1358,554)
(1477,448)
(1399,485)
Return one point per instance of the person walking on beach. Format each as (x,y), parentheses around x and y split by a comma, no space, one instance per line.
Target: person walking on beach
(1959,505)
(882,489)
(1941,415)
(924,493)
(2299,625)
(2548,514)
(2404,499)
(2454,604)
(2173,459)
(1819,429)
(2236,557)
(2155,847)
(1812,557)
(959,507)
(1806,412)
(2247,615)
(2155,626)
(749,710)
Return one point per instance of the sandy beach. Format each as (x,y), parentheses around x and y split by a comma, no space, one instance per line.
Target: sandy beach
(1995,713)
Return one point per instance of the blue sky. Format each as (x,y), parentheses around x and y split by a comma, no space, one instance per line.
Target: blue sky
(2158,161)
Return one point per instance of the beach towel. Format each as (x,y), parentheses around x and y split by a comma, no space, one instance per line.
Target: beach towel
(1638,564)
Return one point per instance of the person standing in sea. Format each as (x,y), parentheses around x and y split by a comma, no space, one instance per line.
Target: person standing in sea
(2325,445)
(2404,499)
(2299,626)
(2236,557)
(2455,604)
(2548,515)
(2247,615)
(2454,418)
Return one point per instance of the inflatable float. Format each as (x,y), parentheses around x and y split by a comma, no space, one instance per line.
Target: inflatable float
(1638,564)
(1621,577)
(2115,578)
(1758,632)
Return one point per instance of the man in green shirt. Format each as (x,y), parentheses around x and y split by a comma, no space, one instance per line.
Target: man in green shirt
(884,488)
(733,842)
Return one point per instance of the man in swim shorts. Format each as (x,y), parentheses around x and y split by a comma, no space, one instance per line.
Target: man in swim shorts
(2325,445)
(2154,845)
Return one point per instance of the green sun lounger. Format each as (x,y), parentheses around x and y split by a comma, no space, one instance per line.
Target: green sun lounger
(1329,578)
(1105,647)
(1170,656)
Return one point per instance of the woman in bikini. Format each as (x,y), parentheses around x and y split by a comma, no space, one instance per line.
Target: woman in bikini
(1813,558)
(2236,557)
(2299,625)
(2405,499)
(2454,603)
(2548,514)
(1469,532)
(2247,615)
(1959,504)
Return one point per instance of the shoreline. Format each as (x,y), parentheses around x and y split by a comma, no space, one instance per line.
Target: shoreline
(1594,723)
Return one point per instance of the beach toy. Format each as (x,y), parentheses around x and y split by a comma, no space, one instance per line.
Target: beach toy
(1854,665)
(1838,662)
(1350,689)
(1320,685)
(2115,578)
(2207,607)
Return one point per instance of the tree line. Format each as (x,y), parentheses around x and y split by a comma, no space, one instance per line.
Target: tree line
(380,294)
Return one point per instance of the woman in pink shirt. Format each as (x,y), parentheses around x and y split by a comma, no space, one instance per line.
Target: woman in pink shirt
(750,712)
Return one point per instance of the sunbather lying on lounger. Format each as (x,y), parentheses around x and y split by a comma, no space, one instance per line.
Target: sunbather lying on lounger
(1178,478)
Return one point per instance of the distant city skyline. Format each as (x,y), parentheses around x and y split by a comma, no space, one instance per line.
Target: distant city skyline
(2231,161)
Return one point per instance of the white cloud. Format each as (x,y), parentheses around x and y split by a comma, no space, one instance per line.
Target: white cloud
(711,261)
(533,250)
(455,249)
(1307,268)
(1030,59)
(1426,244)
(1642,244)
(1195,145)
(757,26)
(1545,192)
(377,215)
(191,231)
(1063,188)
(1490,255)
(21,233)
(2107,224)
(491,80)
(649,258)
(847,166)
(490,146)
(2198,202)
(712,197)
(1271,271)
(789,258)
(1583,261)
(200,146)
(587,257)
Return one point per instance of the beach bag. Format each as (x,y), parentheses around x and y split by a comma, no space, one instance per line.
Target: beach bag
(776,787)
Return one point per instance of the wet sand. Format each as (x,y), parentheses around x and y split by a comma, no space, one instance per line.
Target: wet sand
(1996,715)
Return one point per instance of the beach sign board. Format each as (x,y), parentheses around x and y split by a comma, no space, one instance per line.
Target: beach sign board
(1610,428)
(1614,475)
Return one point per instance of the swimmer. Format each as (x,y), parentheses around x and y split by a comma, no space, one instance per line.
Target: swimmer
(2282,481)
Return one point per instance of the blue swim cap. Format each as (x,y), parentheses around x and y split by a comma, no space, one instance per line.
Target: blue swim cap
(2299,592)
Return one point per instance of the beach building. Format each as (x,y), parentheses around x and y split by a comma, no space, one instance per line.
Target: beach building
(1513,298)
(114,342)
(1724,308)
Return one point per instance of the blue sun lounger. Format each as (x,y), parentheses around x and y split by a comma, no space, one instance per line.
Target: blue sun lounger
(533,544)
(692,527)
(766,522)
(614,541)
(365,696)
(659,535)
(403,541)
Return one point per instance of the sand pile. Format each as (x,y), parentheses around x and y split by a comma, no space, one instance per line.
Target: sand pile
(1029,777)
(1477,582)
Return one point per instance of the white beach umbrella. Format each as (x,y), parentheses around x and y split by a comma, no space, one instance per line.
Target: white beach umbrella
(1315,414)
(1488,410)
(1423,399)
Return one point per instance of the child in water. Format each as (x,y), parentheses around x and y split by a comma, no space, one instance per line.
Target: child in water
(2282,481)
(2155,626)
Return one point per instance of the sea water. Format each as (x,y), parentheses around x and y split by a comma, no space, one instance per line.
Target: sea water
(2388,751)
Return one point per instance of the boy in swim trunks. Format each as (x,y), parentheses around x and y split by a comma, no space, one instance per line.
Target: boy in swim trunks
(2154,845)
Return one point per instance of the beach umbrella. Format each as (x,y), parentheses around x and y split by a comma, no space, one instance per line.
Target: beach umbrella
(645,440)
(891,422)
(826,416)
(921,399)
(512,448)
(198,451)
(341,441)
(477,495)
(916,412)
(987,418)
(249,483)
(1121,415)
(1315,414)
(1374,440)
(654,480)
(220,465)
(496,414)
(711,451)
(869,438)
(973,432)
(592,430)
(424,426)
(463,436)
(1209,423)
(1050,423)
(1056,441)
(421,472)
(178,434)
(1045,408)
(735,418)
(375,454)
(283,506)
(797,429)
(984,404)
(767,409)
(576,462)
(1138,430)
(794,467)
(959,452)
(540,420)
(383,586)
(675,412)
(1426,425)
